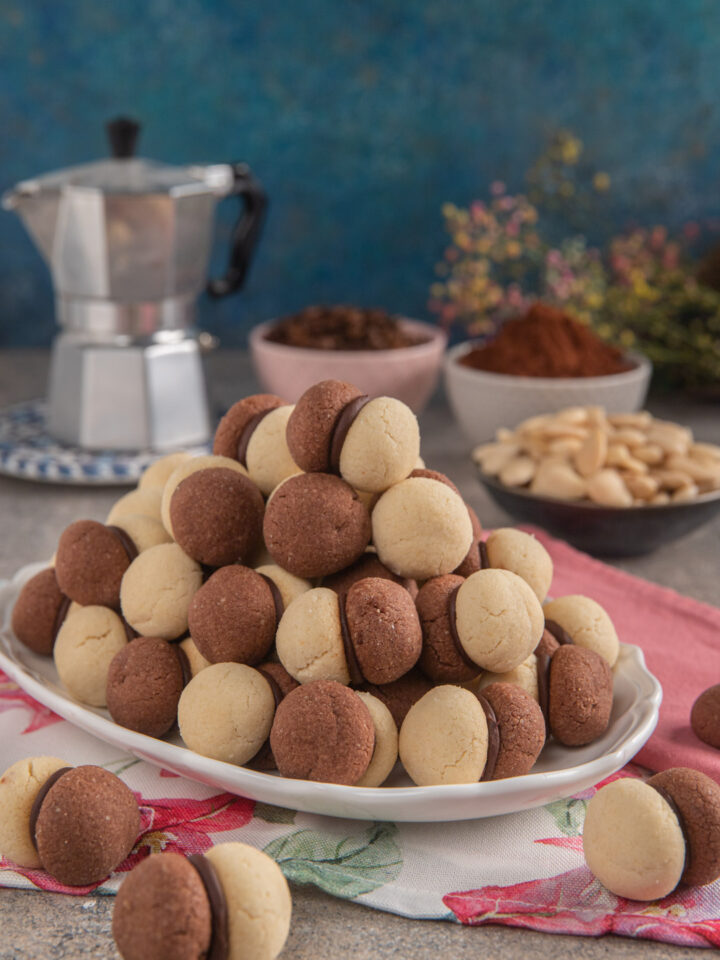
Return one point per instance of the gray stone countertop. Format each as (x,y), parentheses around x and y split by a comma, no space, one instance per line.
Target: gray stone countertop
(37,925)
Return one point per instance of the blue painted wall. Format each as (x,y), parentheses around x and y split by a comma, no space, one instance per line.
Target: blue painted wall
(361,118)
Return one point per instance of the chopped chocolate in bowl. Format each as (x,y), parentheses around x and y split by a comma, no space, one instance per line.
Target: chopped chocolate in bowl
(343,327)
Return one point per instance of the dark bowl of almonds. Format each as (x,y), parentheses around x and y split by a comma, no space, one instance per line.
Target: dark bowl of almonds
(384,355)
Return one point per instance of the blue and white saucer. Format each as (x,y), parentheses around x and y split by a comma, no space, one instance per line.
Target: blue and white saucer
(27,451)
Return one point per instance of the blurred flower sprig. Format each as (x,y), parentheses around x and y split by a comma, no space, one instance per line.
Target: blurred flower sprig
(642,291)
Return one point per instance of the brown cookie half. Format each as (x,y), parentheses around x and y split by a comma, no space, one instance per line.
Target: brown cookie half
(705,717)
(440,659)
(401,694)
(233,425)
(316,524)
(323,731)
(580,695)
(521,726)
(162,911)
(39,611)
(697,799)
(233,618)
(144,684)
(312,423)
(87,825)
(384,629)
(216,516)
(90,562)
(369,565)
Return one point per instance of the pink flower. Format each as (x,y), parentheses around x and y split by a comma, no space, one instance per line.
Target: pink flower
(12,696)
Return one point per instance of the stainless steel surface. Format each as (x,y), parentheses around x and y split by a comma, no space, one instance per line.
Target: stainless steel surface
(127,397)
(54,927)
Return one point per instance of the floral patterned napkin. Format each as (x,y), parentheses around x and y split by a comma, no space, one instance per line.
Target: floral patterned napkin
(523,869)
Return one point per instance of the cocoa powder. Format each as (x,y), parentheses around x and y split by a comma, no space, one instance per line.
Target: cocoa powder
(546,342)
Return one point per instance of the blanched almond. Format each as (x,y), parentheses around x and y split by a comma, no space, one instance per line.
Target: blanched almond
(649,453)
(672,479)
(641,419)
(519,471)
(492,461)
(705,451)
(565,446)
(661,497)
(630,436)
(685,493)
(607,488)
(591,455)
(641,486)
(555,478)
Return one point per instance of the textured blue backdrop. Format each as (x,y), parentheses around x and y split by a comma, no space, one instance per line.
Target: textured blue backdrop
(361,118)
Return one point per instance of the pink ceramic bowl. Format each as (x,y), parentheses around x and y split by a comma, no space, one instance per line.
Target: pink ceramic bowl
(408,373)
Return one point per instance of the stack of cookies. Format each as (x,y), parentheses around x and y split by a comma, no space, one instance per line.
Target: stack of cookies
(310,598)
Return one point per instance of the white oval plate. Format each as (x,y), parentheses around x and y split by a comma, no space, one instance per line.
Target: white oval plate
(560,771)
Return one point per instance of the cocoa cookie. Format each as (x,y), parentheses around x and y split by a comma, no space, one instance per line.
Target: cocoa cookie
(216,517)
(697,802)
(548,643)
(144,683)
(281,683)
(580,695)
(226,712)
(373,634)
(370,443)
(401,694)
(586,623)
(91,561)
(323,731)
(253,431)
(86,643)
(86,826)
(421,528)
(20,785)
(472,562)
(39,611)
(521,727)
(442,659)
(157,589)
(234,615)
(183,471)
(444,738)
(367,566)
(162,910)
(705,717)
(315,524)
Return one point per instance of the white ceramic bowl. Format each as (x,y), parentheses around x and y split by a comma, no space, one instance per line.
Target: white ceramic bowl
(483,401)
(408,373)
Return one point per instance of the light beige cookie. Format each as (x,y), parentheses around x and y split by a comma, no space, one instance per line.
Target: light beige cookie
(499,619)
(444,738)
(309,639)
(145,502)
(267,457)
(183,470)
(226,712)
(421,528)
(19,786)
(524,675)
(144,531)
(85,646)
(258,901)
(381,447)
(156,591)
(587,624)
(196,660)
(289,586)
(385,753)
(156,475)
(632,841)
(521,553)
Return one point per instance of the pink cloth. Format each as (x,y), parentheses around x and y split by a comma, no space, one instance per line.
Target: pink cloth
(680,638)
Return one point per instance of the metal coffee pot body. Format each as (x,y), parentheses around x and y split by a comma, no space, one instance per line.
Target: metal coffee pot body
(128,242)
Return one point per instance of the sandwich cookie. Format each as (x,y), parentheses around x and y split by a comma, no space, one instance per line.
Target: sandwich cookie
(234,616)
(367,566)
(86,645)
(371,635)
(401,694)
(586,623)
(39,611)
(232,903)
(371,444)
(315,524)
(157,589)
(705,717)
(91,561)
(253,432)
(82,822)
(185,469)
